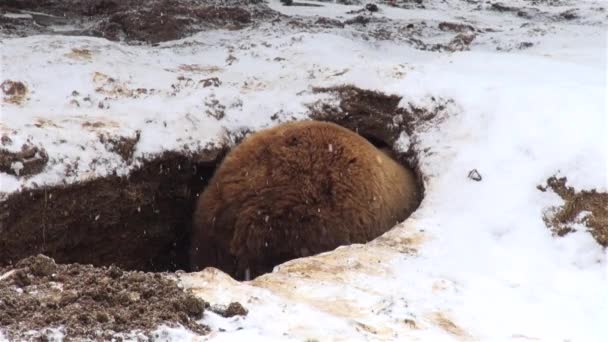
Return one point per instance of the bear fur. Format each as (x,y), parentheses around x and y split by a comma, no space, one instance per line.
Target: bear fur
(294,190)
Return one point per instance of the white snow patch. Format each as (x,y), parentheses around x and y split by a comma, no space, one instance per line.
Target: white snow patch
(17,15)
(17,167)
(403,142)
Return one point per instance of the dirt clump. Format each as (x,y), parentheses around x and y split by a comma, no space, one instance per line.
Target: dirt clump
(329,22)
(233,309)
(455,27)
(149,21)
(91,303)
(15,92)
(123,146)
(589,208)
(29,161)
(6,140)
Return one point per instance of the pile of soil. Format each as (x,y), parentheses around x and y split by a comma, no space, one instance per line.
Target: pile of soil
(149,21)
(88,302)
(593,204)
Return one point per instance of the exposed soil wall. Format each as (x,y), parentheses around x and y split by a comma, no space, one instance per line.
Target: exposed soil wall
(138,222)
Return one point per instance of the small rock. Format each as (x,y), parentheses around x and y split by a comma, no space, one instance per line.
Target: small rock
(371,7)
(40,265)
(233,309)
(475,175)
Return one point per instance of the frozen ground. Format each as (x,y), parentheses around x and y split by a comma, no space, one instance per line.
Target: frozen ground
(475,262)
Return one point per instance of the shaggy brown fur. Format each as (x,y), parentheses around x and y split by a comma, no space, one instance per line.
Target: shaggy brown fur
(295,190)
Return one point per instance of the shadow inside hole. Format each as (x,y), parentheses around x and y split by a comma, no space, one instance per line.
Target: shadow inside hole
(139,222)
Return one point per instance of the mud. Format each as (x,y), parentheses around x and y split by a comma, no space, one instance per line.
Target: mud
(586,208)
(132,20)
(91,303)
(139,222)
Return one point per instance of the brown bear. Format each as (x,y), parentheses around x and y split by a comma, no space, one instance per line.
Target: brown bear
(295,190)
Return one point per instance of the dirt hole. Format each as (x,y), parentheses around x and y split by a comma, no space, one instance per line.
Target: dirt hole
(143,221)
(139,222)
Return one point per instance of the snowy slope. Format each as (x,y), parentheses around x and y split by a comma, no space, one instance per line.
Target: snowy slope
(475,262)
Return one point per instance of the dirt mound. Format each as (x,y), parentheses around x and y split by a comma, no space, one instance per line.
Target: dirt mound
(131,20)
(89,302)
(589,208)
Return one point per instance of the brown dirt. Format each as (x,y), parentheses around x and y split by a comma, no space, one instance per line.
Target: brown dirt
(168,20)
(6,140)
(149,21)
(233,309)
(139,222)
(15,92)
(561,219)
(29,161)
(329,22)
(123,146)
(456,27)
(89,302)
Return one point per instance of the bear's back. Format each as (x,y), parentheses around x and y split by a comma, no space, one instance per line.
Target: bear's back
(299,189)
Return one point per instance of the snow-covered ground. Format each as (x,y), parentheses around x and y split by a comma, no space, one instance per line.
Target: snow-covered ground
(474,262)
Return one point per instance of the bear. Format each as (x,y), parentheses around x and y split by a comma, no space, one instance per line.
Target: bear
(294,190)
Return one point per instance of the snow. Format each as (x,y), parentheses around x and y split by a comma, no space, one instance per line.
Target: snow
(474,262)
